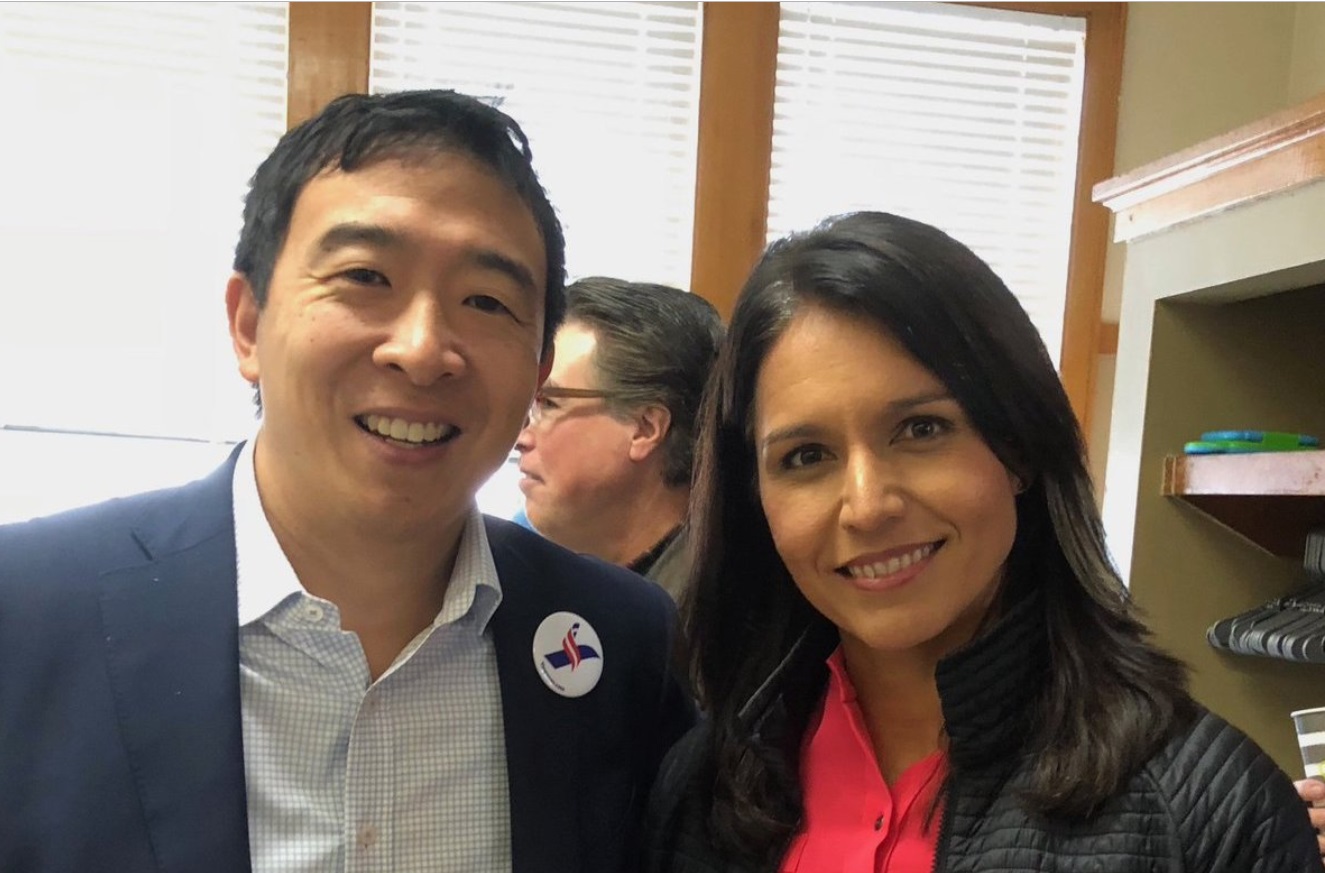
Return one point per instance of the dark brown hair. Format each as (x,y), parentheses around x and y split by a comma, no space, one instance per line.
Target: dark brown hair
(1109,697)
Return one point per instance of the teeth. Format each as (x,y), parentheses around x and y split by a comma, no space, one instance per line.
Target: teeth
(892,565)
(414,432)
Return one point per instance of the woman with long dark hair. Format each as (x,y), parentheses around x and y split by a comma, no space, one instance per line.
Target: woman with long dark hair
(913,648)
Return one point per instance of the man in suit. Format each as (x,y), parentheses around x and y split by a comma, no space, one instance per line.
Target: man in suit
(608,448)
(321,657)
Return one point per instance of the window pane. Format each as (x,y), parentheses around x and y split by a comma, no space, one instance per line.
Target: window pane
(43,473)
(959,116)
(608,94)
(132,130)
(141,125)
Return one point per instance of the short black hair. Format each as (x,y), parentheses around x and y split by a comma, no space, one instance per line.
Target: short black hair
(357,129)
(655,345)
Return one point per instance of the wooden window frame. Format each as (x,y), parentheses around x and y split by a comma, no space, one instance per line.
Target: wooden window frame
(329,56)
(1085,336)
(735,154)
(738,73)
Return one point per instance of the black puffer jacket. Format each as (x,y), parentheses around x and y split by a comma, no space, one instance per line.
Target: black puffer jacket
(1209,802)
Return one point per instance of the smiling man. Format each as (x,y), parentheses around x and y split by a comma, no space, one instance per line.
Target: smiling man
(322,657)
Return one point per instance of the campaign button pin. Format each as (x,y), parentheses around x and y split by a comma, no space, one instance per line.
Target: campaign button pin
(568,654)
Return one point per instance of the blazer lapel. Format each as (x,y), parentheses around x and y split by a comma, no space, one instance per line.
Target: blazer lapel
(542,747)
(173,655)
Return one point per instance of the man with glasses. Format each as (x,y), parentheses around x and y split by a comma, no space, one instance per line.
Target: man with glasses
(609,445)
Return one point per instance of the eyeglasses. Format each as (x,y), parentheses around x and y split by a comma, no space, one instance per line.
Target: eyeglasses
(545,404)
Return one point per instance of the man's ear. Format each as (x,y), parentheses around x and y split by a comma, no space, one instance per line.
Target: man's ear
(242,311)
(651,426)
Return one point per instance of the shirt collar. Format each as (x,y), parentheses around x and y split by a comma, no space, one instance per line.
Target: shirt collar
(644,563)
(840,687)
(264,574)
(474,588)
(266,579)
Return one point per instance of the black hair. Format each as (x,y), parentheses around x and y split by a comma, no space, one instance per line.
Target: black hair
(1109,698)
(357,129)
(655,345)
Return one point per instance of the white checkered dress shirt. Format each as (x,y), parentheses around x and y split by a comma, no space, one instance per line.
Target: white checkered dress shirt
(404,774)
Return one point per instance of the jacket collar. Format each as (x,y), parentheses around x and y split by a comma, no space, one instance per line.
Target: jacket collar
(987,688)
(542,764)
(645,562)
(172,652)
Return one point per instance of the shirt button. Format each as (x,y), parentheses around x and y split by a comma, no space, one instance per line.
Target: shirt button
(367,837)
(313,613)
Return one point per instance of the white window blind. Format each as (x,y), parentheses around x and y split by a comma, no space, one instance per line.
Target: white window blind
(608,94)
(131,132)
(963,117)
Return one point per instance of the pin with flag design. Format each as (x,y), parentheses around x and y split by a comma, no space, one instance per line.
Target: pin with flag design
(568,654)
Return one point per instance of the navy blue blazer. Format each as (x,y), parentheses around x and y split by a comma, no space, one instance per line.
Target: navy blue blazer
(120,740)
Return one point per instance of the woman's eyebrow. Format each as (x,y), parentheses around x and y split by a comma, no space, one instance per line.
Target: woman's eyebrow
(802,430)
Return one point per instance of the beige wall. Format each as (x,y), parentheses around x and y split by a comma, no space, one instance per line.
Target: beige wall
(1306,75)
(1192,71)
(1195,70)
(1206,343)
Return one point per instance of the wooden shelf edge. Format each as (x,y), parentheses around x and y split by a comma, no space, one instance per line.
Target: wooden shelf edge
(1241,144)
(1272,498)
(1281,151)
(1260,474)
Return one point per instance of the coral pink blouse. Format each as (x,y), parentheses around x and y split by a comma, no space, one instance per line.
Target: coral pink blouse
(854,821)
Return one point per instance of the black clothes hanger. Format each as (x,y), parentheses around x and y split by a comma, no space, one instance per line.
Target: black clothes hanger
(1291,628)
